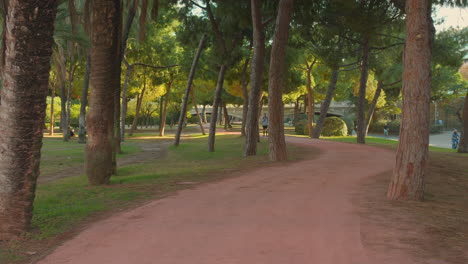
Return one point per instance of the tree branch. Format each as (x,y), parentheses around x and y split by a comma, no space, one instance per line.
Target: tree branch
(154,67)
(197,5)
(218,33)
(268,21)
(390,46)
(390,36)
(391,84)
(350,64)
(350,69)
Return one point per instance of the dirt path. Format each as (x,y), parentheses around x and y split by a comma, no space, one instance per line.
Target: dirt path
(150,150)
(296,213)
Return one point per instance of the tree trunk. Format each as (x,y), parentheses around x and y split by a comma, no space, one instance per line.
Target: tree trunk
(361,122)
(198,114)
(84,103)
(411,158)
(137,111)
(371,110)
(227,121)
(183,111)
(63,114)
(463,147)
(71,77)
(310,101)
(100,120)
(25,74)
(326,104)
(221,117)
(256,77)
(245,94)
(306,103)
(52,121)
(162,123)
(296,111)
(205,119)
(123,116)
(260,107)
(214,111)
(277,81)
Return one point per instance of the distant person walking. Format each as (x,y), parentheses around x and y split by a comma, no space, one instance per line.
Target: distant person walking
(265,124)
(455,139)
(386,130)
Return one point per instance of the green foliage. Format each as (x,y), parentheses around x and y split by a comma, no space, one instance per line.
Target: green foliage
(378,127)
(300,127)
(334,126)
(381,142)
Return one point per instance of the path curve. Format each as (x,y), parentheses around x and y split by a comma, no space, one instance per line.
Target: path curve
(300,213)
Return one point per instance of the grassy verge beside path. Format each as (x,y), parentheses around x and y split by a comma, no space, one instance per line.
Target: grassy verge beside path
(64,206)
(382,142)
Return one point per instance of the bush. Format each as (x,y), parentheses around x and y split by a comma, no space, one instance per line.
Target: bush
(300,127)
(378,127)
(436,129)
(334,127)
(349,123)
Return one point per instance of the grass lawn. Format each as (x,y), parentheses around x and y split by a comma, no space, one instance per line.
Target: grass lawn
(62,206)
(58,155)
(382,142)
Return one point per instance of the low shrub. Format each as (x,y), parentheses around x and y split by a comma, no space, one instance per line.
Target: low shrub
(378,127)
(300,127)
(334,127)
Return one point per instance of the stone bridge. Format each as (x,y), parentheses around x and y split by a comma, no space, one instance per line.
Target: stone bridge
(340,109)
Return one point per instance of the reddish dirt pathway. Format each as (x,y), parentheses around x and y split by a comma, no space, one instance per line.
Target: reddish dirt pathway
(297,213)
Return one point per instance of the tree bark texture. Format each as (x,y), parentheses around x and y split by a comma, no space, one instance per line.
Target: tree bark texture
(370,112)
(214,112)
(310,101)
(28,39)
(84,103)
(137,110)
(52,119)
(463,146)
(227,120)
(256,77)
(205,119)
(183,111)
(64,112)
(71,77)
(200,123)
(123,116)
(361,119)
(245,94)
(326,104)
(411,159)
(296,111)
(260,107)
(162,123)
(277,81)
(100,120)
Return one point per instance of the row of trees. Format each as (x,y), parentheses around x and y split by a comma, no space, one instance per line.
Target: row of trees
(317,50)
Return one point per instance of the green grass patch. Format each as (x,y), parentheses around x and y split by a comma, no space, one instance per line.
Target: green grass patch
(57,155)
(382,142)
